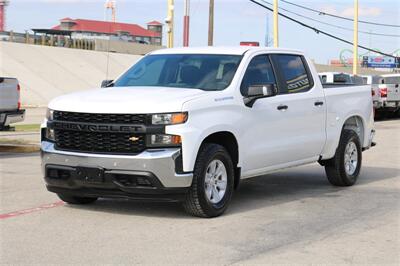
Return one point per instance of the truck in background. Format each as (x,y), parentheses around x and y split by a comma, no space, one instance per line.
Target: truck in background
(385,93)
(10,103)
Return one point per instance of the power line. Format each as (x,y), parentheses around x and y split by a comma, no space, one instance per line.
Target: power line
(328,24)
(322,32)
(336,16)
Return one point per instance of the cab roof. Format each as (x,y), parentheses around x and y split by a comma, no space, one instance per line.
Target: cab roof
(227,50)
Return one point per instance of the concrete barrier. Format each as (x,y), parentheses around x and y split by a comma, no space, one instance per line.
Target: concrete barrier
(47,72)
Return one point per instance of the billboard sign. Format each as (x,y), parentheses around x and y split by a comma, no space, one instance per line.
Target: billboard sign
(380,61)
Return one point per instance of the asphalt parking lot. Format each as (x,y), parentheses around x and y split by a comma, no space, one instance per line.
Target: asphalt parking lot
(289,217)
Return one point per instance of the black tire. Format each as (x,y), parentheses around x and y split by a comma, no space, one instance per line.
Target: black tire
(76,200)
(335,167)
(196,202)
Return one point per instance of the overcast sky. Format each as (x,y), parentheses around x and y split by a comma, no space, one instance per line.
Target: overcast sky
(235,21)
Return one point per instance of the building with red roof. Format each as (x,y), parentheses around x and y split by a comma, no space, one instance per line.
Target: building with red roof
(95,29)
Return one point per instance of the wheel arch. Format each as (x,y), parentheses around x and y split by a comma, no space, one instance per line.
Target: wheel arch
(228,140)
(356,124)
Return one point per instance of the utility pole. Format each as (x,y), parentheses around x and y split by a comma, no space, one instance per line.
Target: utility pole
(355,38)
(186,22)
(211,24)
(276,35)
(170,24)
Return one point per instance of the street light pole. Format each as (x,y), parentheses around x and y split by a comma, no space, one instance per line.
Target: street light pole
(276,35)
(186,23)
(355,38)
(211,24)
(170,24)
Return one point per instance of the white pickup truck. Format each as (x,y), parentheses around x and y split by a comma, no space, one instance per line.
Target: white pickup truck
(10,103)
(386,93)
(187,124)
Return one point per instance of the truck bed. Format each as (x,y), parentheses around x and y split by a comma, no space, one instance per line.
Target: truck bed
(344,101)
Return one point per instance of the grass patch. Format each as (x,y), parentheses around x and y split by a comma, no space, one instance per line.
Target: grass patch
(19,148)
(28,127)
(13,142)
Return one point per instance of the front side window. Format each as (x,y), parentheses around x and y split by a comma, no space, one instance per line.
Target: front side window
(205,71)
(259,72)
(294,73)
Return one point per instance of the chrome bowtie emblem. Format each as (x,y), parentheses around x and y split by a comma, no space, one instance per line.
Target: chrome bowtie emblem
(133,139)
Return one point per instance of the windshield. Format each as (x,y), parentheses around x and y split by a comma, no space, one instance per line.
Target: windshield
(197,71)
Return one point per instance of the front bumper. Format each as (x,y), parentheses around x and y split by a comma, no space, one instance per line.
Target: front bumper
(12,117)
(120,173)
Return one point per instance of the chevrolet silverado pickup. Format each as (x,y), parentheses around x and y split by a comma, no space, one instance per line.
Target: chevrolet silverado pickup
(10,104)
(387,93)
(187,124)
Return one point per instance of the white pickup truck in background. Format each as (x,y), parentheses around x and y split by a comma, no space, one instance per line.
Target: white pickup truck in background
(386,93)
(10,103)
(187,124)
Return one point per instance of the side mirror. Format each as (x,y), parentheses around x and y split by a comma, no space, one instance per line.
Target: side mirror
(107,83)
(255,92)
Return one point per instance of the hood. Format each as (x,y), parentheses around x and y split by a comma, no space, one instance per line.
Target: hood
(126,100)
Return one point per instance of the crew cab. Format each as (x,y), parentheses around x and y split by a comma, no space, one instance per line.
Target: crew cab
(10,103)
(187,124)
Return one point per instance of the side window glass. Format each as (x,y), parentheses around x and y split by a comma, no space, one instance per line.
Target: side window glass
(259,72)
(294,73)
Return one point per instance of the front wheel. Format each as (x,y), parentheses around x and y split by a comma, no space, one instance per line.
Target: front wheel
(213,182)
(344,168)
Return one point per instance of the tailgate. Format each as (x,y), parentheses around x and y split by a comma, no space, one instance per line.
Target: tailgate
(393,92)
(9,94)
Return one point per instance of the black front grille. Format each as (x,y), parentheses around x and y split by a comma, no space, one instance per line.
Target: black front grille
(100,118)
(115,143)
(100,142)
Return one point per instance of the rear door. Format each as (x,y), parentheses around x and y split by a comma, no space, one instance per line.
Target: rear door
(9,94)
(302,107)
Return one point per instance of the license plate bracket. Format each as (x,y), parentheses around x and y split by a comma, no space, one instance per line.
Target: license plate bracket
(90,174)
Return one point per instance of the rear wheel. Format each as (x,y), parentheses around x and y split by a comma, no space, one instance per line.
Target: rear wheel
(212,184)
(76,200)
(344,168)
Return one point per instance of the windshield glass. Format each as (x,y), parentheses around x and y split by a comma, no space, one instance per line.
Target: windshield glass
(205,72)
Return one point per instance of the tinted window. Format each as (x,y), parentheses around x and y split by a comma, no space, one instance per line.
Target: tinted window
(342,78)
(294,73)
(206,72)
(259,72)
(391,80)
(376,79)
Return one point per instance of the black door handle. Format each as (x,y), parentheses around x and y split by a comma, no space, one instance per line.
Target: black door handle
(282,107)
(319,103)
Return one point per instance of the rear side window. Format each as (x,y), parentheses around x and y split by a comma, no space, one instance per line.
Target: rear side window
(294,72)
(342,78)
(259,72)
(376,80)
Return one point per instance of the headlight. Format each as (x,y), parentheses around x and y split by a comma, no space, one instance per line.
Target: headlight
(50,134)
(169,119)
(49,114)
(165,140)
